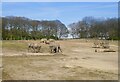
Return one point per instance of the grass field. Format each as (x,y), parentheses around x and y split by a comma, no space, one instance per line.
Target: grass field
(79,61)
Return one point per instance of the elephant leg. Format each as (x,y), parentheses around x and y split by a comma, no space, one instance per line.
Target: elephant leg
(34,50)
(51,49)
(55,50)
(39,49)
(29,48)
(59,49)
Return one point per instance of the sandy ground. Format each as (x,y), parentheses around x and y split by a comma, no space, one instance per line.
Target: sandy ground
(79,61)
(0,60)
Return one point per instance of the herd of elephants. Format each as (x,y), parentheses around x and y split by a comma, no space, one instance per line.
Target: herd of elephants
(53,46)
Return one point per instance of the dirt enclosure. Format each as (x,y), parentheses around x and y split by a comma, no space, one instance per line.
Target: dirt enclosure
(78,61)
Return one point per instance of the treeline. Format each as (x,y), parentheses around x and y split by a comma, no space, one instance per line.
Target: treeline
(90,27)
(17,28)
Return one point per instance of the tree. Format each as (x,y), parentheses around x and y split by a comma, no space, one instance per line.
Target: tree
(24,28)
(95,27)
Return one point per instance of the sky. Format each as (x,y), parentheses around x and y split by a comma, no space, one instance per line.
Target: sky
(60,0)
(66,12)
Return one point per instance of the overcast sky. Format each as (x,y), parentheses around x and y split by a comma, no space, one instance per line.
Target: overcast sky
(66,12)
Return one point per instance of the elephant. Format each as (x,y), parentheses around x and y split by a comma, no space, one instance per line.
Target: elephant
(43,40)
(51,40)
(35,47)
(54,48)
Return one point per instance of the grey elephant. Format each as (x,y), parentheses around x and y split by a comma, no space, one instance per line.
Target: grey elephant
(34,47)
(54,48)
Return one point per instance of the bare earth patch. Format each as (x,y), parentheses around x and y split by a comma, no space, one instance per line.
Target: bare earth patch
(79,61)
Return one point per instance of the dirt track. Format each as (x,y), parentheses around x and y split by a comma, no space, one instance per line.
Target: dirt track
(78,62)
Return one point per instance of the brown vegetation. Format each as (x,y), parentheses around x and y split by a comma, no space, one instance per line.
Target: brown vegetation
(78,62)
